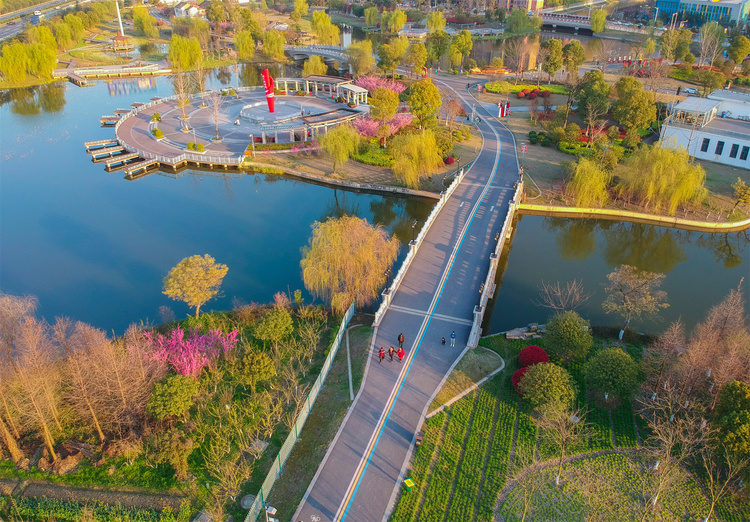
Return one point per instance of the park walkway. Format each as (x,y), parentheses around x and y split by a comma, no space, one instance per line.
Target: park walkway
(359,476)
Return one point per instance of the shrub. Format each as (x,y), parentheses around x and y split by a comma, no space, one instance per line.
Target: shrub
(568,336)
(532,134)
(546,142)
(200,147)
(532,355)
(536,91)
(546,93)
(521,94)
(533,140)
(156,117)
(158,134)
(525,91)
(340,99)
(532,96)
(612,371)
(547,386)
(191,145)
(449,160)
(516,379)
(232,93)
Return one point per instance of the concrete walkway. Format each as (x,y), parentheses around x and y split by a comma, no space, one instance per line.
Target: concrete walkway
(364,465)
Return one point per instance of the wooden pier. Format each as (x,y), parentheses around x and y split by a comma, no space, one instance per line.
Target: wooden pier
(99,144)
(140,169)
(120,112)
(120,162)
(77,80)
(107,151)
(109,120)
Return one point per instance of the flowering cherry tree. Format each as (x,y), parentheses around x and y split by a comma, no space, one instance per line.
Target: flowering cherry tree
(187,353)
(373,82)
(368,128)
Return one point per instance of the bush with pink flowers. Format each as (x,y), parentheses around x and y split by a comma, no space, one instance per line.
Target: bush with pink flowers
(532,355)
(373,82)
(187,353)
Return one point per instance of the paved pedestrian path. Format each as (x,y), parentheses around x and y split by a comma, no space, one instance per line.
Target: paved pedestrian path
(362,470)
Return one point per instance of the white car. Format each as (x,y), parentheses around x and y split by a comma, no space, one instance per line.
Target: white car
(690,90)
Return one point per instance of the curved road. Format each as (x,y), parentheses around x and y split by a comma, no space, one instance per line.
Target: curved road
(364,465)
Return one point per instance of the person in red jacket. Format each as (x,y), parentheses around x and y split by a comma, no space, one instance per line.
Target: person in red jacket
(400,354)
(382,355)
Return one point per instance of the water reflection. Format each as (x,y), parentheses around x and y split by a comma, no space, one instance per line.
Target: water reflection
(700,268)
(30,101)
(131,86)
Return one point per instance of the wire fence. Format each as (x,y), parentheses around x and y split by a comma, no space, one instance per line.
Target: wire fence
(278,464)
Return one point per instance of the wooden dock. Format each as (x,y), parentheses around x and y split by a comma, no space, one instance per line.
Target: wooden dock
(107,151)
(99,144)
(119,162)
(140,169)
(77,80)
(109,119)
(120,112)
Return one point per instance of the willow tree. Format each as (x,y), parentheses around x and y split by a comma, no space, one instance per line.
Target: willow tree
(314,65)
(659,176)
(346,261)
(415,156)
(588,184)
(341,143)
(324,29)
(195,280)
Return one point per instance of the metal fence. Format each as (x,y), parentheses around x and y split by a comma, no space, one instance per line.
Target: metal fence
(489,283)
(278,464)
(389,292)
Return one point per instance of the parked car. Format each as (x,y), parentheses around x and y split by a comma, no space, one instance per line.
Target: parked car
(690,90)
(11,23)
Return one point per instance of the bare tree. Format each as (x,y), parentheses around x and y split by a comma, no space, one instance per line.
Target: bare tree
(710,39)
(561,299)
(563,428)
(179,82)
(720,473)
(215,99)
(518,52)
(13,311)
(633,293)
(199,75)
(594,112)
(527,481)
(452,109)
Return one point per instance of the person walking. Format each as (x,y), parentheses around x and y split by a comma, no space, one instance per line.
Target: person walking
(391,351)
(382,355)
(442,341)
(453,338)
(400,354)
(400,340)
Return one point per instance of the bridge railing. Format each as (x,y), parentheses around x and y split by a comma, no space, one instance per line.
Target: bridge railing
(278,464)
(389,292)
(488,289)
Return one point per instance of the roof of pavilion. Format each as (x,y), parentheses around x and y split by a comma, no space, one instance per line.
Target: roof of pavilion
(322,78)
(355,89)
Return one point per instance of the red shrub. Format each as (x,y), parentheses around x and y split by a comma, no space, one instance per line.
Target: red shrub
(449,160)
(532,355)
(516,379)
(546,94)
(525,91)
(521,94)
(536,91)
(532,96)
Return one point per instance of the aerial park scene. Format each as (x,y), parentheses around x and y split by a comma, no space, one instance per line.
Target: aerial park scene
(374,261)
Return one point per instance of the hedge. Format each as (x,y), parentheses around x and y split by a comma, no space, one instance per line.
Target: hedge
(532,355)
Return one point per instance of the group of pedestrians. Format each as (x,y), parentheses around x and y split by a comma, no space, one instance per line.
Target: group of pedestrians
(400,352)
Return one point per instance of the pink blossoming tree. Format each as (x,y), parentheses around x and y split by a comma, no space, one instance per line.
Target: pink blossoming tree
(188,353)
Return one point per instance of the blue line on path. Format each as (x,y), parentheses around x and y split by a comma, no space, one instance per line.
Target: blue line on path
(408,369)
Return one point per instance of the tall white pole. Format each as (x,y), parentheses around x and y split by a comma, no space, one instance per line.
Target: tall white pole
(119,18)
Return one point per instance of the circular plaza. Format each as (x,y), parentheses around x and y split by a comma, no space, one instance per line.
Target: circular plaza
(227,123)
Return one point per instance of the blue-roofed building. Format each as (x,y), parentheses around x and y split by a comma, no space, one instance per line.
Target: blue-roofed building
(722,11)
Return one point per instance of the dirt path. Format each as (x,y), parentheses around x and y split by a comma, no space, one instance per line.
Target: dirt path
(136,499)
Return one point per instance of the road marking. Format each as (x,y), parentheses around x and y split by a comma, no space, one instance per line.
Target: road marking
(382,421)
(461,205)
(420,313)
(492,208)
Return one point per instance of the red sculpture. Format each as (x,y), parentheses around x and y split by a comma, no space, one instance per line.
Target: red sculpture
(268,83)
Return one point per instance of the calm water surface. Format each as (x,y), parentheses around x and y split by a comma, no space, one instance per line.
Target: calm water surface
(95,247)
(700,269)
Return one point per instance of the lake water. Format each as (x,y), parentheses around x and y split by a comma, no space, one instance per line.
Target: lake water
(700,269)
(95,247)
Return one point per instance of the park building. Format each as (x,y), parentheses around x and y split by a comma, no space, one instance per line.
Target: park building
(722,11)
(716,128)
(526,5)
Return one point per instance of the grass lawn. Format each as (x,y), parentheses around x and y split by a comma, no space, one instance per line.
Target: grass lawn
(322,425)
(473,367)
(462,466)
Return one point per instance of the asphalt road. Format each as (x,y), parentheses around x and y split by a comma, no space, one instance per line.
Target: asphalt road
(363,467)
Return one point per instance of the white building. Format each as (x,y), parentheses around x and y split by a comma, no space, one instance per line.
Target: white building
(716,128)
(188,10)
